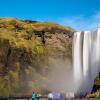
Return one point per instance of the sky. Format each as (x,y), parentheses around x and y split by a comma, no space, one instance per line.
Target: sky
(78,14)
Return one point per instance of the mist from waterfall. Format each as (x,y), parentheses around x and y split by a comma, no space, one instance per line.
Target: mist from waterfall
(86,59)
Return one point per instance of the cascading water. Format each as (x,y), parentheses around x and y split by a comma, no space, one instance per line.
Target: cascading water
(77,58)
(86,59)
(96,53)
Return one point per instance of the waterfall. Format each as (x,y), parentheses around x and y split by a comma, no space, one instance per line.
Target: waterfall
(86,59)
(77,58)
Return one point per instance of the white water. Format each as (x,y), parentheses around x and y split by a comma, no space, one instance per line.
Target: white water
(86,59)
(77,58)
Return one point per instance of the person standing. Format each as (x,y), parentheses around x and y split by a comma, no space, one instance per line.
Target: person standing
(82,94)
(50,96)
(34,96)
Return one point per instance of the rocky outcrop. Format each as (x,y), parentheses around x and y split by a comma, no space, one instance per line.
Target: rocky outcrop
(96,89)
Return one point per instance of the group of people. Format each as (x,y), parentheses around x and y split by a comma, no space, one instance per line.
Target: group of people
(56,95)
(53,96)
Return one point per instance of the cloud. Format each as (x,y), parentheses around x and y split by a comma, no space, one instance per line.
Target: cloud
(82,23)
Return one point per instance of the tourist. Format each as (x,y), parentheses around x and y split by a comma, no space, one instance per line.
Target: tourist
(50,96)
(70,95)
(82,94)
(34,96)
(56,96)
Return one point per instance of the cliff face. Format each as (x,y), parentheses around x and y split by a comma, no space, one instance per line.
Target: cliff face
(29,51)
(27,48)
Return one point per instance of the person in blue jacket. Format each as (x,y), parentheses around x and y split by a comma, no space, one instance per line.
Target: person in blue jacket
(82,94)
(34,96)
(56,96)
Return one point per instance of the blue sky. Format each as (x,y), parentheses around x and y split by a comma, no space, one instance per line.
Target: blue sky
(79,14)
